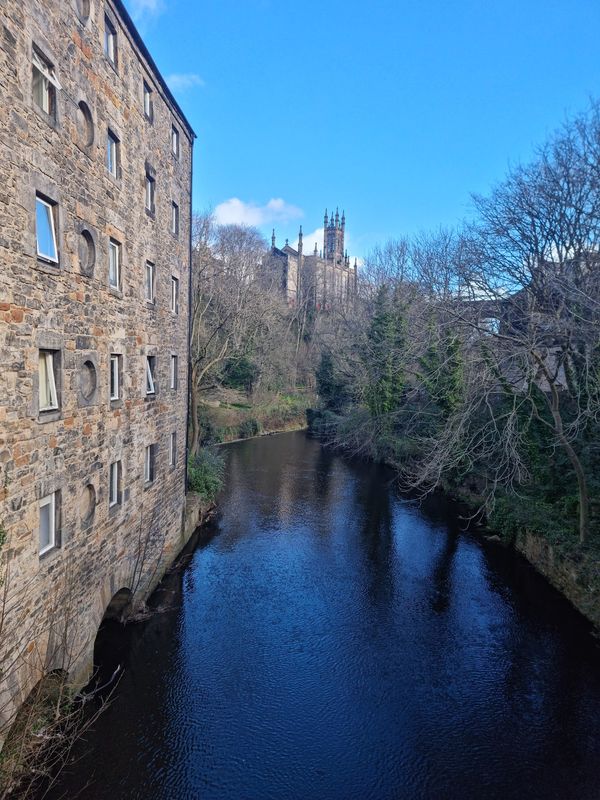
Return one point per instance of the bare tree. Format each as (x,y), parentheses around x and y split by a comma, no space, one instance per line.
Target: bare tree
(235,302)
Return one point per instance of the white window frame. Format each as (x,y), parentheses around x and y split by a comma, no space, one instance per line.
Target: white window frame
(152,271)
(49,500)
(46,356)
(112,153)
(46,70)
(115,377)
(172,448)
(174,218)
(174,370)
(113,484)
(52,219)
(150,193)
(174,294)
(110,40)
(149,465)
(150,381)
(175,141)
(114,247)
(148,110)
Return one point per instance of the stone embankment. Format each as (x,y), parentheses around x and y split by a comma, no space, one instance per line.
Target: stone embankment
(576,576)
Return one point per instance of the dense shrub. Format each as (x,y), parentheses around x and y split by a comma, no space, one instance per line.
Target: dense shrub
(240,373)
(249,428)
(205,473)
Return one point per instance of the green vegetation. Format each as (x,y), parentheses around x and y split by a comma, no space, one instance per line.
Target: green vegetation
(205,473)
(229,420)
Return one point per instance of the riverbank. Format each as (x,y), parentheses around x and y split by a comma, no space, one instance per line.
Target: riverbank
(570,567)
(575,572)
(230,416)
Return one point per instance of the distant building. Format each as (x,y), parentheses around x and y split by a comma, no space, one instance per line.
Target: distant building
(323,277)
(95,214)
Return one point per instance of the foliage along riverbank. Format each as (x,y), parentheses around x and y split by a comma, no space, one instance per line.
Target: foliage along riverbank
(230,416)
(542,535)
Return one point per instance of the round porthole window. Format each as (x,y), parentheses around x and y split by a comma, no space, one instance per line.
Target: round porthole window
(87,504)
(85,125)
(87,380)
(87,253)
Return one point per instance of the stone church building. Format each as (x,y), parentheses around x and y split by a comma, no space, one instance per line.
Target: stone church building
(323,277)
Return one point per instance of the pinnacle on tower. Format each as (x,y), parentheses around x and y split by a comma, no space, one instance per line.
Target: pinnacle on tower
(273,238)
(326,218)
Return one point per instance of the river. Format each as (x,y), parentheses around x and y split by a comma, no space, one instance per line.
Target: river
(330,640)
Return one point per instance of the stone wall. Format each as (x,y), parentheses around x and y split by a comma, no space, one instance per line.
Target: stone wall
(576,577)
(55,601)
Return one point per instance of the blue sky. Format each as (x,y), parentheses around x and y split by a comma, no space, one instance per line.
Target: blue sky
(396,111)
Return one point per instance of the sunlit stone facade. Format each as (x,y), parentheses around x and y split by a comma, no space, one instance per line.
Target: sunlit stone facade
(95,201)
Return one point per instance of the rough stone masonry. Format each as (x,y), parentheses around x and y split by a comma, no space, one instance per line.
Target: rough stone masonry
(95,212)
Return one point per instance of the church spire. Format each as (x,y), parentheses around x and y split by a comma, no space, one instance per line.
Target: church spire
(273,238)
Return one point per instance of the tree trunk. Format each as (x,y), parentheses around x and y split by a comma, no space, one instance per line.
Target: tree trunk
(584,497)
(194,406)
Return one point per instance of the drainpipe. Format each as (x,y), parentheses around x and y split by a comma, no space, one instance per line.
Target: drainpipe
(189,337)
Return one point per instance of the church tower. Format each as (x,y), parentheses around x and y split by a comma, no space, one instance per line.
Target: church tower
(333,244)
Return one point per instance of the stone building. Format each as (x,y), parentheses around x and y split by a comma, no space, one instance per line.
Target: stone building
(322,277)
(95,213)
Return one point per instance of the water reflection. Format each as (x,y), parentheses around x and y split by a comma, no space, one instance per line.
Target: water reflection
(329,639)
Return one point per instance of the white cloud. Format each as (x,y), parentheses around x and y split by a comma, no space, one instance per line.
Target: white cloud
(308,241)
(142,10)
(236,211)
(182,81)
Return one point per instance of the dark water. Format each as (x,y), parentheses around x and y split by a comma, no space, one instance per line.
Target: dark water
(332,642)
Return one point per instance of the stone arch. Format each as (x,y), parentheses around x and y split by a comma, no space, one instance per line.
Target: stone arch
(111,643)
(119,605)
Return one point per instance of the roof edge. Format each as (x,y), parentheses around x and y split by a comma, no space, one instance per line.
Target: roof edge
(137,38)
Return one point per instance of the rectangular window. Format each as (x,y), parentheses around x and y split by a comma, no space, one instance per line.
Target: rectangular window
(172,449)
(174,365)
(148,104)
(113,154)
(48,508)
(150,193)
(114,484)
(149,463)
(45,84)
(151,375)
(110,41)
(149,282)
(174,295)
(45,229)
(47,368)
(114,264)
(115,376)
(175,141)
(175,219)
